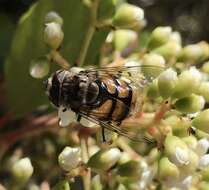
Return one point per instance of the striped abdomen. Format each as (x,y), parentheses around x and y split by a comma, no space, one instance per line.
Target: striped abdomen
(116,99)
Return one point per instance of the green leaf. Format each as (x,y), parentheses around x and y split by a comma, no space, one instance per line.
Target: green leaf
(25,94)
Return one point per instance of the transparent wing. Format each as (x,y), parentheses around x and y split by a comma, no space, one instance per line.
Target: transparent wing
(126,132)
(138,75)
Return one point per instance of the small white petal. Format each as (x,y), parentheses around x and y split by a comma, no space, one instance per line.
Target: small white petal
(202,146)
(204,161)
(181,156)
(66,116)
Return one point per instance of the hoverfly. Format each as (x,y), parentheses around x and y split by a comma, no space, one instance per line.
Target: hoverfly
(105,96)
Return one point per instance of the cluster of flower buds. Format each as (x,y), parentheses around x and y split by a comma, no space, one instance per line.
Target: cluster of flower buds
(53,37)
(181,159)
(181,80)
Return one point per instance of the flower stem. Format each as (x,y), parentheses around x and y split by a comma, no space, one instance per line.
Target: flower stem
(90,32)
(85,156)
(57,58)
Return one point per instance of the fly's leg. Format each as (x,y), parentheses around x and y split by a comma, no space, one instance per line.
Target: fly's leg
(103,135)
(79,118)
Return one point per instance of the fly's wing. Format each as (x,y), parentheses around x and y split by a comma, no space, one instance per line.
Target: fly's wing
(138,75)
(126,132)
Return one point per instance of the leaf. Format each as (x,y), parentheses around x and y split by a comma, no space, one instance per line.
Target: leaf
(26,94)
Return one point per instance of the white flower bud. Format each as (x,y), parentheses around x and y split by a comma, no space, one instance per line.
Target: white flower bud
(39,67)
(128,16)
(66,116)
(166,82)
(204,161)
(53,35)
(202,146)
(69,158)
(22,169)
(53,17)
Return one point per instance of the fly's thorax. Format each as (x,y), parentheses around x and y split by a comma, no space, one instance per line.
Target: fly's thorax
(78,91)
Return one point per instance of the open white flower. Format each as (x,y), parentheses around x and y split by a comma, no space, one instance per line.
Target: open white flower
(66,116)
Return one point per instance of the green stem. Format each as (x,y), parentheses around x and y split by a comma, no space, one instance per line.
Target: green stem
(85,157)
(90,32)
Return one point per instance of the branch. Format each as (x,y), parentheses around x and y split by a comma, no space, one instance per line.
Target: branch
(90,32)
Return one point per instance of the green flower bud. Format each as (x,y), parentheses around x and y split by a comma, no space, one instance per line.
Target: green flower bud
(53,35)
(62,185)
(178,124)
(153,155)
(121,187)
(168,50)
(69,158)
(22,170)
(104,159)
(128,16)
(124,38)
(159,36)
(150,60)
(203,185)
(205,67)
(188,83)
(190,104)
(167,170)
(39,67)
(178,154)
(152,90)
(195,53)
(191,142)
(166,82)
(175,37)
(204,90)
(201,121)
(125,157)
(53,17)
(106,9)
(205,174)
(96,183)
(130,169)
